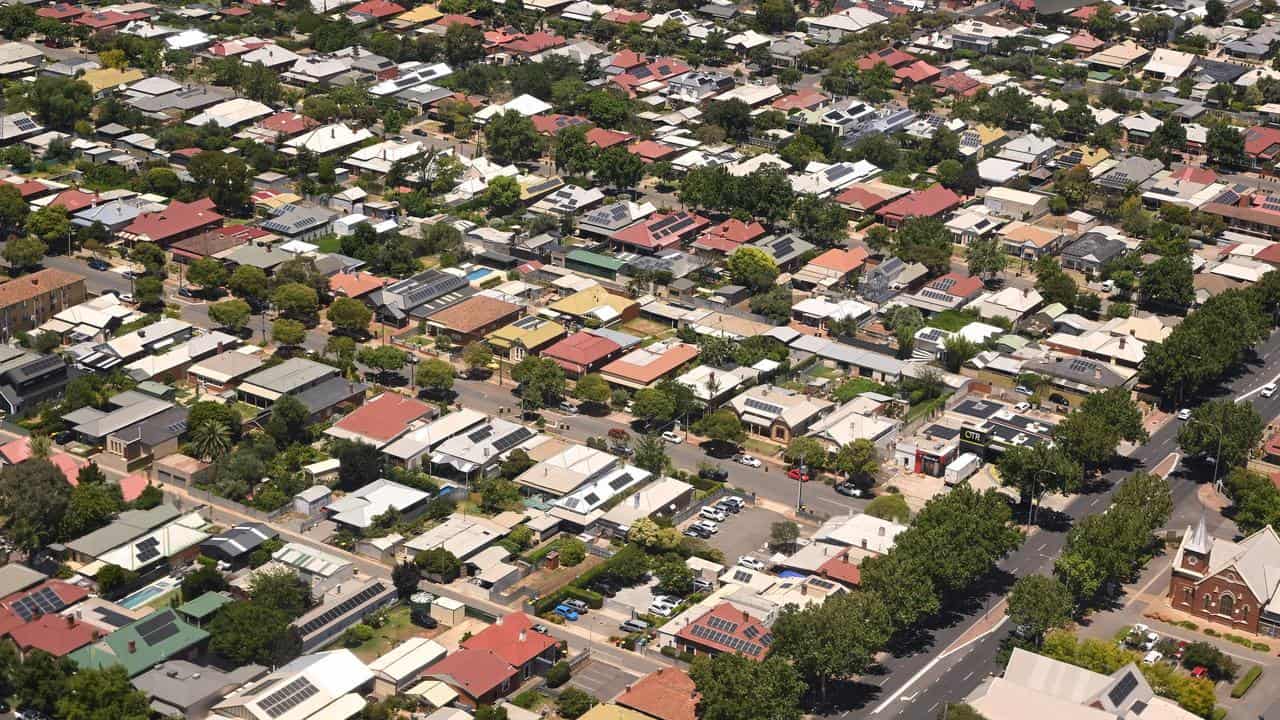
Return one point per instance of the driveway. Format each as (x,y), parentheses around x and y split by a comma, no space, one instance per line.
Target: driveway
(602,680)
(746,533)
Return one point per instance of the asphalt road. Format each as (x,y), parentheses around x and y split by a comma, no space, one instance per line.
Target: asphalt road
(916,685)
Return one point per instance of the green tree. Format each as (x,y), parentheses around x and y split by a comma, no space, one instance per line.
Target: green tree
(820,221)
(383,359)
(206,411)
(1091,433)
(231,314)
(114,580)
(752,267)
(1215,13)
(289,333)
(91,506)
(23,253)
(776,16)
(960,536)
(148,290)
(1225,144)
(541,381)
(783,535)
(463,44)
(925,240)
(573,703)
(296,301)
(208,273)
(834,640)
(51,224)
(503,195)
(734,687)
(857,460)
(249,283)
(1235,428)
(224,177)
(205,578)
(249,632)
(34,496)
(653,406)
(60,102)
(349,315)
(573,154)
(1054,283)
(1254,498)
(1038,603)
(733,116)
(807,452)
(439,563)
(290,421)
(650,453)
(512,138)
(406,576)
(985,256)
(774,304)
(958,351)
(721,426)
(618,168)
(890,506)
(40,681)
(674,577)
(477,355)
(1168,283)
(13,209)
(1036,470)
(106,694)
(280,590)
(435,375)
(593,388)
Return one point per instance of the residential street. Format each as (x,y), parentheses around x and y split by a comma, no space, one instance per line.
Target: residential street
(917,685)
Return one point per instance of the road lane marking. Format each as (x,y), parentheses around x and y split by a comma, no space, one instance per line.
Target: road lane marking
(894,696)
(1258,389)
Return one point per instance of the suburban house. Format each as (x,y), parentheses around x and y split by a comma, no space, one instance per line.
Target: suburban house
(178,221)
(723,629)
(32,300)
(320,685)
(643,367)
(382,419)
(496,660)
(141,645)
(528,335)
(777,413)
(666,694)
(1228,583)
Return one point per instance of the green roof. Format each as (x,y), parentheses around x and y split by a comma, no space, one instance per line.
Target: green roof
(204,606)
(587,257)
(1016,342)
(155,638)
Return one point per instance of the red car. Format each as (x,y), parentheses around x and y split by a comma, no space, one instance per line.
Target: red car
(798,474)
(1199,671)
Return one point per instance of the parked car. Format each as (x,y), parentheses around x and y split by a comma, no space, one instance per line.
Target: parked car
(737,502)
(747,561)
(1184,414)
(1022,406)
(1269,389)
(568,408)
(579,606)
(540,628)
(566,612)
(185,292)
(700,585)
(623,450)
(1199,671)
(633,626)
(853,490)
(747,460)
(726,508)
(1023,389)
(697,532)
(671,437)
(798,474)
(707,526)
(1152,658)
(99,264)
(126,297)
(663,611)
(710,513)
(717,474)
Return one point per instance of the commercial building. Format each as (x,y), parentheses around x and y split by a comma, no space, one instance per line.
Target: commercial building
(32,300)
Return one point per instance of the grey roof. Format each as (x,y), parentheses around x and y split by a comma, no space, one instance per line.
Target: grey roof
(263,258)
(1095,245)
(291,374)
(128,525)
(329,393)
(15,577)
(399,298)
(623,340)
(179,685)
(1084,371)
(191,98)
(292,220)
(123,417)
(156,429)
(241,539)
(783,248)
(1131,170)
(1219,71)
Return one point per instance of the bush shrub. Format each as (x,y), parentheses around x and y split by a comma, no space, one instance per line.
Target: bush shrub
(1261,646)
(1211,632)
(558,674)
(357,635)
(1246,682)
(528,700)
(574,703)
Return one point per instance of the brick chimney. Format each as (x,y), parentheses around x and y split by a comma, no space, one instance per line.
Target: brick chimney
(133,647)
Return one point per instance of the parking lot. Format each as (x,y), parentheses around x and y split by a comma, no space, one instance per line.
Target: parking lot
(746,533)
(602,680)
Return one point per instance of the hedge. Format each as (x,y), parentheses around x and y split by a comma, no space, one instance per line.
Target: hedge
(593,599)
(1246,682)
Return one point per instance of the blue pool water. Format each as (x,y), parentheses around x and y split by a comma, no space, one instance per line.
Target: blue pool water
(139,598)
(479,273)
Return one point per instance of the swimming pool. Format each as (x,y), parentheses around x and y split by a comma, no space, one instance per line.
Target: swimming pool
(138,598)
(478,273)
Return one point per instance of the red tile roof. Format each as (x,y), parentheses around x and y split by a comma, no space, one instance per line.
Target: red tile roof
(177,219)
(32,189)
(474,314)
(107,19)
(475,672)
(841,260)
(455,19)
(959,84)
(356,284)
(627,59)
(625,17)
(726,624)
(651,150)
(890,56)
(288,123)
(605,139)
(533,43)
(55,634)
(236,11)
(917,72)
(930,202)
(1195,174)
(1262,141)
(74,199)
(132,486)
(660,361)
(1085,13)
(581,350)
(660,232)
(1084,41)
(800,100)
(19,451)
(668,694)
(841,570)
(511,638)
(956,285)
(33,285)
(552,123)
(61,11)
(384,417)
(733,231)
(378,8)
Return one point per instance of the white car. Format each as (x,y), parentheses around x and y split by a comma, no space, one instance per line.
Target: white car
(1022,406)
(1152,657)
(747,561)
(665,611)
(712,514)
(749,461)
(672,437)
(1023,390)
(1184,414)
(709,526)
(1269,389)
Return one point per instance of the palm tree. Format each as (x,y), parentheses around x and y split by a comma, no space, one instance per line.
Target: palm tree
(40,446)
(211,439)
